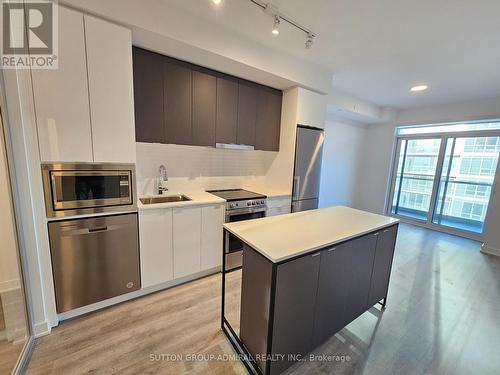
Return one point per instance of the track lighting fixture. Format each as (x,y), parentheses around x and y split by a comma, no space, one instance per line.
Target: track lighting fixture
(272,10)
(276,25)
(309,40)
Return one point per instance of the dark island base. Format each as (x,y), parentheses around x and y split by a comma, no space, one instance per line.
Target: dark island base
(291,307)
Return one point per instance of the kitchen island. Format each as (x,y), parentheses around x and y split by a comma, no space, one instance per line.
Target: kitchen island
(304,277)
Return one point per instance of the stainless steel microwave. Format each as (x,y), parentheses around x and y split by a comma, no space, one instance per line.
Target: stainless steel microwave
(86,188)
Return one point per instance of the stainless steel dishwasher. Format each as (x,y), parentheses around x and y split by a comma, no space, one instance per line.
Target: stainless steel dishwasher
(94,259)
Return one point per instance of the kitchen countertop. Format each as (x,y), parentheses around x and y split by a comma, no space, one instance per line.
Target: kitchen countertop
(285,236)
(198,198)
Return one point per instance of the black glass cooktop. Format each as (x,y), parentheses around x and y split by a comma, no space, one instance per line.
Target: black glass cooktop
(236,194)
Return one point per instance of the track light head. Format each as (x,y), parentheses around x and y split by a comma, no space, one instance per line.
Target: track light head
(309,40)
(276,25)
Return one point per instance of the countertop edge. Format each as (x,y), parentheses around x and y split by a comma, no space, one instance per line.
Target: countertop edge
(313,249)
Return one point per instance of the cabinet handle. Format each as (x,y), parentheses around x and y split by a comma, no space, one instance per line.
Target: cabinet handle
(330,250)
(386,230)
(315,255)
(376,234)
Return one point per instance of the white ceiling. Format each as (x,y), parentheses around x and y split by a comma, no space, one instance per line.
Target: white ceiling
(377,49)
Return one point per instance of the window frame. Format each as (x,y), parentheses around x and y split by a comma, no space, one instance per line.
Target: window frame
(437,176)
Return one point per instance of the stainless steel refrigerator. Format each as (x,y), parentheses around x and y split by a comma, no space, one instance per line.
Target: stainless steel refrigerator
(307,170)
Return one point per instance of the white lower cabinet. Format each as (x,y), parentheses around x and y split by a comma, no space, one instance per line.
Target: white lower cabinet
(187,240)
(212,219)
(156,244)
(178,242)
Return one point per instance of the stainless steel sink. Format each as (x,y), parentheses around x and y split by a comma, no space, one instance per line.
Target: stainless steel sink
(164,199)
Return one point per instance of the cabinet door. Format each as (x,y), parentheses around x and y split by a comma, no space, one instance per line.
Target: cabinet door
(109,61)
(332,292)
(212,219)
(204,106)
(187,240)
(247,112)
(296,287)
(177,96)
(155,235)
(148,96)
(61,97)
(361,255)
(267,128)
(227,109)
(382,264)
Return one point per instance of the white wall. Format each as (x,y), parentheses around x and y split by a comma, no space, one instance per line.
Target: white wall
(9,270)
(341,162)
(194,167)
(374,169)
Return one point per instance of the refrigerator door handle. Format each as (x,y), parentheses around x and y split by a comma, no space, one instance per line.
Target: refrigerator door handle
(296,187)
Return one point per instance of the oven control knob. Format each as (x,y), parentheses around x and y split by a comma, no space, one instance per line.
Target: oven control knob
(254,203)
(249,203)
(231,205)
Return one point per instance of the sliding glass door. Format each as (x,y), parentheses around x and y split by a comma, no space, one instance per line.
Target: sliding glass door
(445,180)
(416,171)
(466,182)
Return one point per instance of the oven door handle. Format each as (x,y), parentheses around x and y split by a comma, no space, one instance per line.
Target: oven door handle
(249,210)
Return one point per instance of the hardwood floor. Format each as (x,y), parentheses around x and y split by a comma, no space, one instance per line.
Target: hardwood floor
(9,354)
(442,317)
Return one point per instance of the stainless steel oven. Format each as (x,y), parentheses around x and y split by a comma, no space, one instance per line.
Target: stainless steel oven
(87,188)
(234,246)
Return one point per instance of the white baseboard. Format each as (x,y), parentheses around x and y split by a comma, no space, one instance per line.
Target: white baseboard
(133,295)
(41,329)
(490,250)
(9,285)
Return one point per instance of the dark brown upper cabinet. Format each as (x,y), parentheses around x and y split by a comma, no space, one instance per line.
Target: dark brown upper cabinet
(181,103)
(204,106)
(248,94)
(267,127)
(227,109)
(148,96)
(177,96)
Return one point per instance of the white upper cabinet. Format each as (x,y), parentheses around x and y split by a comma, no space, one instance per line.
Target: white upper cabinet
(109,60)
(212,219)
(61,97)
(85,108)
(187,240)
(311,108)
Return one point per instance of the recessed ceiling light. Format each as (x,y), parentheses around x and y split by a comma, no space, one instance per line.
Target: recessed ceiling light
(418,88)
(217,2)
(276,25)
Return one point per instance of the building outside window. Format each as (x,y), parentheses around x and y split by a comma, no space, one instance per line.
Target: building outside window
(445,177)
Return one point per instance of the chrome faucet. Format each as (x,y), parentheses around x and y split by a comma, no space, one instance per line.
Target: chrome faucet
(162,178)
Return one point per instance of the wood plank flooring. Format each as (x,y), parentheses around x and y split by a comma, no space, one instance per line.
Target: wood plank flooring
(442,317)
(9,354)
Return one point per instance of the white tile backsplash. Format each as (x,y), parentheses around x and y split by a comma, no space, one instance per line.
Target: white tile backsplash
(195,167)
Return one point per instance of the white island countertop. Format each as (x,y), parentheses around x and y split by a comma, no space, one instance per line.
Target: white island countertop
(285,236)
